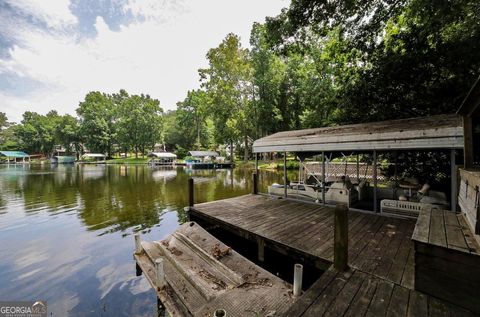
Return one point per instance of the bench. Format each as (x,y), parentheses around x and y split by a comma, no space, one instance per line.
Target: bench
(447,258)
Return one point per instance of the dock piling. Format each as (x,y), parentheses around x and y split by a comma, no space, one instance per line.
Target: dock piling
(159,273)
(138,244)
(261,250)
(340,248)
(255,183)
(297,279)
(190,192)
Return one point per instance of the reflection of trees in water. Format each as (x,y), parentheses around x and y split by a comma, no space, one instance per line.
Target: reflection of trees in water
(115,198)
(53,188)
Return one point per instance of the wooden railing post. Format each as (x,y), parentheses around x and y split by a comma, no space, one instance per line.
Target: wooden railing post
(340,253)
(255,183)
(190,192)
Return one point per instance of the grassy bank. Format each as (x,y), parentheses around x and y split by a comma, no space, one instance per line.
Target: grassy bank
(269,165)
(128,160)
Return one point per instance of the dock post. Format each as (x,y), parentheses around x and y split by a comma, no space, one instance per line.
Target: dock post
(340,251)
(159,273)
(297,279)
(285,178)
(190,192)
(261,250)
(255,183)
(138,244)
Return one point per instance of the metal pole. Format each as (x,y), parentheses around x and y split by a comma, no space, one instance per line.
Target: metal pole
(285,173)
(323,177)
(453,181)
(374,180)
(297,279)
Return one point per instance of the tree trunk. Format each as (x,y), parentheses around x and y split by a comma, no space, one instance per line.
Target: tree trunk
(231,151)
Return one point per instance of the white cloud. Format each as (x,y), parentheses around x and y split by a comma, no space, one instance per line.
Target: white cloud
(158,55)
(55,13)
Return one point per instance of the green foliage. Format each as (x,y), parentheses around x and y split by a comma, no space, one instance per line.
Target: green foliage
(139,121)
(37,133)
(97,115)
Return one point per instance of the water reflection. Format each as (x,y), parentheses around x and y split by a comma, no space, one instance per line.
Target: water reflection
(65,231)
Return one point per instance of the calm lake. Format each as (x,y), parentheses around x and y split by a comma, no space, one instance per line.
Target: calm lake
(66,232)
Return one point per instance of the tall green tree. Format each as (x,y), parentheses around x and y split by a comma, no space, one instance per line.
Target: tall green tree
(139,123)
(97,115)
(8,139)
(228,81)
(37,132)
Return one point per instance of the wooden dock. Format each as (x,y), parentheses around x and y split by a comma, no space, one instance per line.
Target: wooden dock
(381,276)
(378,245)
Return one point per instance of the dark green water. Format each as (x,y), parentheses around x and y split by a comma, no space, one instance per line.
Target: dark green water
(66,232)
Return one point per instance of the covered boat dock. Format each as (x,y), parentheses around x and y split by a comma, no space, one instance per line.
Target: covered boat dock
(15,156)
(162,158)
(440,132)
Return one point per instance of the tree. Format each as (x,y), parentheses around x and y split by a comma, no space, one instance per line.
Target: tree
(97,122)
(383,59)
(8,140)
(139,123)
(228,81)
(37,132)
(67,134)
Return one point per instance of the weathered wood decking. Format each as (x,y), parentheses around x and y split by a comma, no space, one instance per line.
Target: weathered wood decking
(355,293)
(378,245)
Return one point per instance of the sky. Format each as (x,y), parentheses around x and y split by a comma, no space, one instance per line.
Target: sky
(52,53)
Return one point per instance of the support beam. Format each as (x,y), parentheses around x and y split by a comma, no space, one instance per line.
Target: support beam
(261,250)
(255,183)
(467,142)
(358,169)
(453,181)
(375,181)
(285,179)
(340,244)
(323,178)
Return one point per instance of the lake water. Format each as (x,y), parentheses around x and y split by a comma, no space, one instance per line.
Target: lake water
(66,232)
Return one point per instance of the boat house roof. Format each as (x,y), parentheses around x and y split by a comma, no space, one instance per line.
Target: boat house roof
(434,132)
(93,155)
(162,155)
(203,153)
(14,154)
